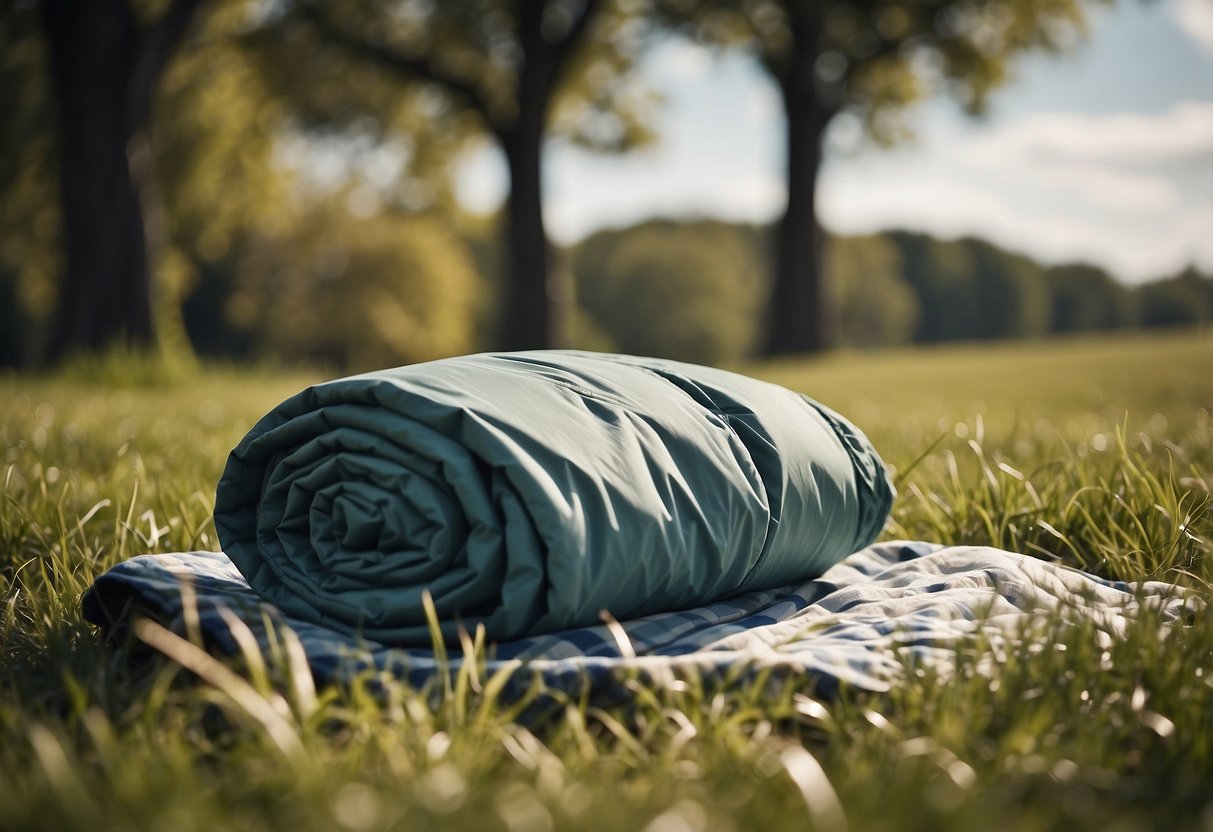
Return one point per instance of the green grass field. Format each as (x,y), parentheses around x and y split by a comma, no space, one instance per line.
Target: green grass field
(1095,452)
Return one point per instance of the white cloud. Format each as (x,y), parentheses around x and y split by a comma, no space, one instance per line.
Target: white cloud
(1131,162)
(1111,188)
(635,193)
(936,198)
(948,207)
(1196,18)
(1118,189)
(1190,240)
(1180,133)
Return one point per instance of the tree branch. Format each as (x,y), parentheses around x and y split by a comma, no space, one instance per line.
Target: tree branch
(407,66)
(567,45)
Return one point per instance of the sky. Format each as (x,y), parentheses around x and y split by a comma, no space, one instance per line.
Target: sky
(1104,154)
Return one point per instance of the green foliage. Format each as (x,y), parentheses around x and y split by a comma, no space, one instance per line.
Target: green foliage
(349,293)
(462,59)
(29,212)
(873,59)
(396,144)
(938,275)
(1070,729)
(515,71)
(1012,297)
(276,262)
(971,289)
(212,141)
(1183,300)
(214,133)
(121,367)
(1087,299)
(225,141)
(876,307)
(688,291)
(892,288)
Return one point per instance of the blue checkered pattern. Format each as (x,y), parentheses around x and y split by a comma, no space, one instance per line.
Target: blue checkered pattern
(860,624)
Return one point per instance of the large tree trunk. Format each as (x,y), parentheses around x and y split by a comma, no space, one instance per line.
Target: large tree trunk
(801,309)
(525,304)
(105,293)
(802,315)
(528,303)
(104,69)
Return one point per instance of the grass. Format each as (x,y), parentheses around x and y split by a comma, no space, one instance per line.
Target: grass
(1092,452)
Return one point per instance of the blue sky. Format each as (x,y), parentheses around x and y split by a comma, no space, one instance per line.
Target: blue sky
(1104,154)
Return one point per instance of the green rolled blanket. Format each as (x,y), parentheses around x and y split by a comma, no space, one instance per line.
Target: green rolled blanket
(531,491)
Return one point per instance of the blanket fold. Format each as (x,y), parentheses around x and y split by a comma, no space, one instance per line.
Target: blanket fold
(528,492)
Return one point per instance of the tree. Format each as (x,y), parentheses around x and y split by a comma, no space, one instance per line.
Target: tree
(1011,293)
(351,293)
(517,67)
(105,62)
(876,307)
(941,275)
(690,291)
(1087,299)
(1185,299)
(972,289)
(869,58)
(232,182)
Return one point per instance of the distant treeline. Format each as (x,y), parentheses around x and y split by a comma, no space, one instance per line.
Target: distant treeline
(353,293)
(696,290)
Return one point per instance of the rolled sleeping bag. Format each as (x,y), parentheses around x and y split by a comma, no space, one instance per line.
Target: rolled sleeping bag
(531,491)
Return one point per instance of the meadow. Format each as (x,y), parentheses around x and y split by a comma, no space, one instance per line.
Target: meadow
(1095,452)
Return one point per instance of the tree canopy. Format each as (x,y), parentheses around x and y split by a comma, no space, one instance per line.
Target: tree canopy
(868,59)
(515,70)
(231,179)
(297,158)
(691,291)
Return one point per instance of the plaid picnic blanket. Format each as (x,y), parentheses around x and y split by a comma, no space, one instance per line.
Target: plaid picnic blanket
(886,607)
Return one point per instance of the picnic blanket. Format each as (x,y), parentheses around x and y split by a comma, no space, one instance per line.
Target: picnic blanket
(530,491)
(885,608)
